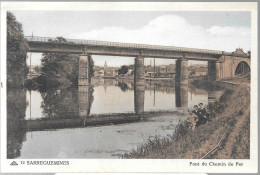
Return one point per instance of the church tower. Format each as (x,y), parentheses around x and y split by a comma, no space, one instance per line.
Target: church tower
(105,68)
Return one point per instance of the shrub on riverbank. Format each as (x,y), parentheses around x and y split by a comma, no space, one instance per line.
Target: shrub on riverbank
(229,118)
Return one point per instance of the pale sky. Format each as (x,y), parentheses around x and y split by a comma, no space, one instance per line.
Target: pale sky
(223,31)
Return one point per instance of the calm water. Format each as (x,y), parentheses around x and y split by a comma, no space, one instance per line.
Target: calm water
(29,111)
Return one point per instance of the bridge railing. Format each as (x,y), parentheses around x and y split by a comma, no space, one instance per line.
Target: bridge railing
(123,45)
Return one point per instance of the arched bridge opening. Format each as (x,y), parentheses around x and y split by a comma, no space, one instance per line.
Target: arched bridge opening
(242,68)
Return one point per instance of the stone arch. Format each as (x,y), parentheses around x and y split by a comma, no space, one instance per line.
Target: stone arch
(242,68)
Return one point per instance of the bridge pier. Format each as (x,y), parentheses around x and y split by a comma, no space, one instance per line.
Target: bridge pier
(139,85)
(181,83)
(181,72)
(214,68)
(139,71)
(84,73)
(218,64)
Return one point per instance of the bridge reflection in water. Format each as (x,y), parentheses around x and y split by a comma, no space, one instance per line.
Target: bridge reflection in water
(88,105)
(181,96)
(85,100)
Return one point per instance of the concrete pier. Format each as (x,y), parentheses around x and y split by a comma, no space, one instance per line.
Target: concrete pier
(218,68)
(139,71)
(84,73)
(139,85)
(211,70)
(181,72)
(215,71)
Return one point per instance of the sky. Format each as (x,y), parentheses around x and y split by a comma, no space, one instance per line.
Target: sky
(223,31)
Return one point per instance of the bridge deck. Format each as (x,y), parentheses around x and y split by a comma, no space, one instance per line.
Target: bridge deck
(74,46)
(121,45)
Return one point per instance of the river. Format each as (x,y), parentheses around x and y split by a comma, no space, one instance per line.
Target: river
(50,124)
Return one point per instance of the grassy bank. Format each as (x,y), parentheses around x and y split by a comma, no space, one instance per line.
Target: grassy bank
(229,122)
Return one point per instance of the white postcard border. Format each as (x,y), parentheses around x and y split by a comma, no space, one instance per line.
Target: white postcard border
(137,165)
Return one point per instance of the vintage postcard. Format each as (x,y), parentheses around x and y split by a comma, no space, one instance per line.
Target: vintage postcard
(129,87)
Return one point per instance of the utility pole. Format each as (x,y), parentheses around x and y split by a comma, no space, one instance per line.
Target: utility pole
(154,94)
(30,104)
(31,62)
(30,65)
(154,67)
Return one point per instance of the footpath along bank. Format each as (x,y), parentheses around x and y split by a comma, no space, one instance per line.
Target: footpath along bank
(225,136)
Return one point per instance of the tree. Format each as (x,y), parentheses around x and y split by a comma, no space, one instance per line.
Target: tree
(16,130)
(123,70)
(249,54)
(66,104)
(37,69)
(61,40)
(17,48)
(91,67)
(60,70)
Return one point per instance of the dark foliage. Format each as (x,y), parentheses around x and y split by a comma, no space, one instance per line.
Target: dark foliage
(60,70)
(16,53)
(37,69)
(16,107)
(123,86)
(31,84)
(64,103)
(123,70)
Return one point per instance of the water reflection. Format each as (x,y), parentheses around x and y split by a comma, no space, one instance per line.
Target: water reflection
(124,87)
(106,101)
(85,100)
(60,103)
(139,91)
(16,106)
(181,92)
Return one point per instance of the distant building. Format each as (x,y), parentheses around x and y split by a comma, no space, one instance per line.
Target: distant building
(163,69)
(201,71)
(129,72)
(148,69)
(109,71)
(197,70)
(160,71)
(99,72)
(34,71)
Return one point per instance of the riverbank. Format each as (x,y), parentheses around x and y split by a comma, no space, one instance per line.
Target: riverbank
(225,136)
(91,120)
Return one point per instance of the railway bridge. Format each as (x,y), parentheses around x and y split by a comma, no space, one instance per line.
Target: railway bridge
(221,64)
